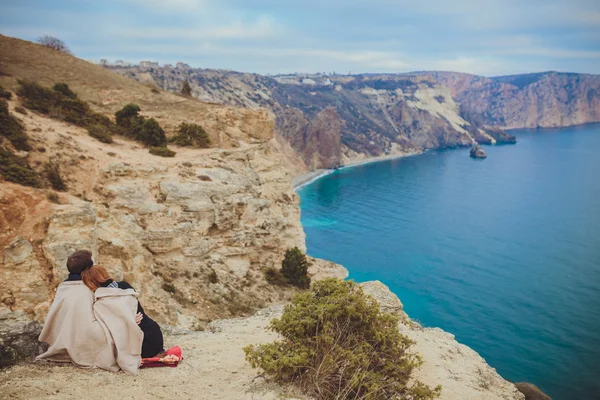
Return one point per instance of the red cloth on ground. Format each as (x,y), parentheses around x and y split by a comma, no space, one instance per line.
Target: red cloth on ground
(161,362)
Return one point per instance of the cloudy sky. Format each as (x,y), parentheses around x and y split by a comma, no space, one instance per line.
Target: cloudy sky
(487,37)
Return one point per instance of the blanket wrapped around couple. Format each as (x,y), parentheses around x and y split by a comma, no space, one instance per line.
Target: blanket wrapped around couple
(93,329)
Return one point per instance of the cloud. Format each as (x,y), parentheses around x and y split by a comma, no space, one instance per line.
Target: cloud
(487,37)
(262,27)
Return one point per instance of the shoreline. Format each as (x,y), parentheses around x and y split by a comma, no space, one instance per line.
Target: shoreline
(299,181)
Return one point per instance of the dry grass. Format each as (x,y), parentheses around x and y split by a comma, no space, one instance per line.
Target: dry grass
(108,92)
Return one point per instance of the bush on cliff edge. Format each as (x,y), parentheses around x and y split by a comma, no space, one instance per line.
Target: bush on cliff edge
(337,344)
(295,268)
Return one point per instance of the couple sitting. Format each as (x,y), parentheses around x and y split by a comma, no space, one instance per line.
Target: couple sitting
(95,321)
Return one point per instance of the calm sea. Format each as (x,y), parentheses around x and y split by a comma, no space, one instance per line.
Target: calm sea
(502,252)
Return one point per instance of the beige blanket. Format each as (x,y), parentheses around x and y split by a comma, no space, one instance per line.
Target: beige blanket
(93,329)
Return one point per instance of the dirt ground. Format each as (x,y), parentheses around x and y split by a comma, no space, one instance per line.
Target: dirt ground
(213,368)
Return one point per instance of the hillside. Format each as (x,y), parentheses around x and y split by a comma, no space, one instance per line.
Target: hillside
(546,99)
(195,231)
(193,234)
(336,120)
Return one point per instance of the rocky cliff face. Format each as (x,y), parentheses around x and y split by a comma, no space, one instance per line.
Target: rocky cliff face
(548,99)
(336,120)
(394,114)
(193,233)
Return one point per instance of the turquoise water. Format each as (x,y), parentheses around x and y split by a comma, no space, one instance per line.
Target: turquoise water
(502,252)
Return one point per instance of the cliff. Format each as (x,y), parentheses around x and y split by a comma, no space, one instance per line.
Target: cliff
(336,120)
(193,233)
(215,367)
(387,114)
(546,99)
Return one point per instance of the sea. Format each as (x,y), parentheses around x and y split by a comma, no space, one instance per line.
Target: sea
(503,252)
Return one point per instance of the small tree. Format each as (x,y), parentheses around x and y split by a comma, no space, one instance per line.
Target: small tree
(337,344)
(125,114)
(191,135)
(186,89)
(53,43)
(151,134)
(295,268)
(129,121)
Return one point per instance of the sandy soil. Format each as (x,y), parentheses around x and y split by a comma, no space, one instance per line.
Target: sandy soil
(214,368)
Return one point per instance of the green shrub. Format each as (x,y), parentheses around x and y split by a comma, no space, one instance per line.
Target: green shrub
(128,115)
(337,344)
(36,97)
(186,89)
(73,111)
(191,135)
(5,94)
(11,128)
(52,171)
(100,132)
(275,277)
(61,103)
(65,90)
(151,134)
(16,170)
(295,268)
(162,152)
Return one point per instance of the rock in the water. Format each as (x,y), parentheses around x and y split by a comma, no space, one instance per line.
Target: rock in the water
(531,391)
(501,136)
(477,152)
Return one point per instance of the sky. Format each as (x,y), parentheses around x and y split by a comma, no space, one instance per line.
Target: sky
(485,37)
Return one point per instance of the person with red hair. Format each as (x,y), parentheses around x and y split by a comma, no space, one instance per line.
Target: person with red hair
(95,277)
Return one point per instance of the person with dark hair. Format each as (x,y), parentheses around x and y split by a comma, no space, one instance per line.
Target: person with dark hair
(96,277)
(92,329)
(77,263)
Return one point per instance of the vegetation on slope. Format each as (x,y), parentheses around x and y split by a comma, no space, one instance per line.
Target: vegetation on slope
(337,344)
(11,129)
(190,135)
(17,170)
(61,103)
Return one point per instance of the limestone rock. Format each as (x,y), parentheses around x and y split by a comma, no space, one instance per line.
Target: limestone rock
(387,300)
(477,152)
(531,391)
(320,269)
(18,338)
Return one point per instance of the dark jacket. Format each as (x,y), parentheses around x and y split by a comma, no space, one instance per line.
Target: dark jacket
(153,339)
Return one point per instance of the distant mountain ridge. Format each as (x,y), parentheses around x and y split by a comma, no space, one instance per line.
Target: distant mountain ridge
(332,120)
(546,99)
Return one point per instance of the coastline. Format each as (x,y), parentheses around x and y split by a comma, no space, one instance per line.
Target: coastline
(299,181)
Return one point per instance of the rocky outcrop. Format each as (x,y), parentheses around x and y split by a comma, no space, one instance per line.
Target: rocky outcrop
(477,152)
(546,99)
(394,114)
(18,338)
(337,120)
(531,391)
(214,365)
